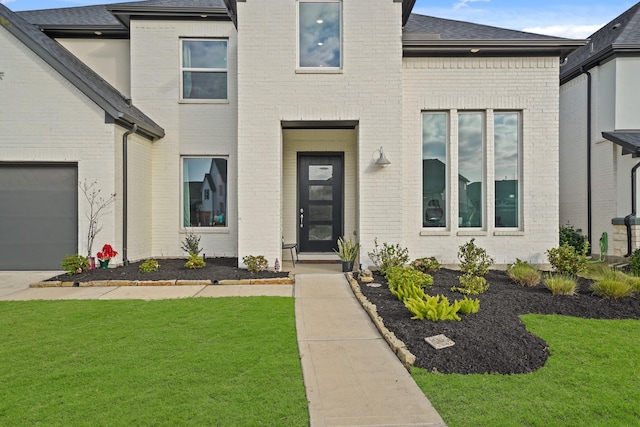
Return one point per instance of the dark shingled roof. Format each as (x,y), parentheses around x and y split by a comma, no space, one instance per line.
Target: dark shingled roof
(427,35)
(80,75)
(449,29)
(622,34)
(71,16)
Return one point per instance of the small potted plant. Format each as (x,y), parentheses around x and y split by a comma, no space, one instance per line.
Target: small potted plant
(105,255)
(347,252)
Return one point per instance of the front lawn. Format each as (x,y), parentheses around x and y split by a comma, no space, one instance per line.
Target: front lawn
(200,362)
(592,378)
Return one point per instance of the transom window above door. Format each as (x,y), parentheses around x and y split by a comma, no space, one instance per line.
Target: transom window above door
(204,69)
(320,34)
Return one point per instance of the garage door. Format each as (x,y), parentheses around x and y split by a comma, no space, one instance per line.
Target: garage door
(38,215)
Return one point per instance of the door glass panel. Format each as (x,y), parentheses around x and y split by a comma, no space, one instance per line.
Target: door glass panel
(320,212)
(321,232)
(320,192)
(320,172)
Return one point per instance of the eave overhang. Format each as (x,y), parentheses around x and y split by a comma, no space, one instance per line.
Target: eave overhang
(629,140)
(83,31)
(432,45)
(600,57)
(125,13)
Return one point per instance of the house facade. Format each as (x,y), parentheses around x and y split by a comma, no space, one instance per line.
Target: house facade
(248,122)
(600,136)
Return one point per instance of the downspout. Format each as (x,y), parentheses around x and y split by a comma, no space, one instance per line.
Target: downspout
(627,219)
(589,210)
(125,140)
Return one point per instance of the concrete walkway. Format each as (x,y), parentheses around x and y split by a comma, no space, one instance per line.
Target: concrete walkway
(351,375)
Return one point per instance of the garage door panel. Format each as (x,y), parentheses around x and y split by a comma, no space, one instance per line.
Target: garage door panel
(38,215)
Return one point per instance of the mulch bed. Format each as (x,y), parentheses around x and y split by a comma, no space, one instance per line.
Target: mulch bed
(494,340)
(216,269)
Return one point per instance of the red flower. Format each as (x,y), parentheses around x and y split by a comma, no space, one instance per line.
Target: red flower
(107,253)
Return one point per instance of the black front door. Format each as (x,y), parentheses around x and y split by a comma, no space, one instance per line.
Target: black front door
(319,201)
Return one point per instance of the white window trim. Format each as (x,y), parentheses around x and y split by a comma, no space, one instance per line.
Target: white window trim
(319,70)
(182,69)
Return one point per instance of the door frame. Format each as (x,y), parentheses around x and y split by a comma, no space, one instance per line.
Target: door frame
(341,158)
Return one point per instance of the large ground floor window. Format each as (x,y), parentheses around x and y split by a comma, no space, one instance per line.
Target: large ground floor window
(204,191)
(473,165)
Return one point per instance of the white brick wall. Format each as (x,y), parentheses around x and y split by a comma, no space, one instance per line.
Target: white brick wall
(193,129)
(368,90)
(44,118)
(528,85)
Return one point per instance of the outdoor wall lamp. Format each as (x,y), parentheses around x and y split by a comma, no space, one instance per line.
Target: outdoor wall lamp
(382,160)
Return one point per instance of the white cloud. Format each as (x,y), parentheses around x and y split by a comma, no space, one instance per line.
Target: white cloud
(465,3)
(5,1)
(568,31)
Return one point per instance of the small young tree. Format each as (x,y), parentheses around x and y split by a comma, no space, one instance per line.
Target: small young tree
(98,207)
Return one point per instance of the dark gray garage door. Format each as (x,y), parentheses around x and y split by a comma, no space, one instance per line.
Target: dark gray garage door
(38,215)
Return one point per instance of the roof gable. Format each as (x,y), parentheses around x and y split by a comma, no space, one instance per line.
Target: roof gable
(80,75)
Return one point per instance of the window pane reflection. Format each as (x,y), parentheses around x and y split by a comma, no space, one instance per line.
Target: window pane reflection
(507,144)
(470,159)
(320,34)
(204,192)
(434,169)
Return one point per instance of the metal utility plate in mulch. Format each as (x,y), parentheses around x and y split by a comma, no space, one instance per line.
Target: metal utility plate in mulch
(439,341)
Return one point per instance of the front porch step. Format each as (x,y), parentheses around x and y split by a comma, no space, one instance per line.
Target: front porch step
(318,257)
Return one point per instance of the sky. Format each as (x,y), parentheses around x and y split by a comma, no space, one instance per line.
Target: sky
(562,18)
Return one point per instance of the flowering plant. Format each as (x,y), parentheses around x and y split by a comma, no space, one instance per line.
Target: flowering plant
(107,253)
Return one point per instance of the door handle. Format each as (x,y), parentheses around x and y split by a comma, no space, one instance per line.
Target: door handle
(301,218)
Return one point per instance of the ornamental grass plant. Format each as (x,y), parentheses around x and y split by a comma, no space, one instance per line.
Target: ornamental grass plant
(561,284)
(524,273)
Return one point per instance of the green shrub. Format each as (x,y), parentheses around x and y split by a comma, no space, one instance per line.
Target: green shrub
(634,262)
(255,263)
(612,288)
(148,266)
(561,284)
(469,306)
(388,256)
(471,285)
(473,259)
(524,273)
(426,265)
(566,260)
(405,282)
(73,264)
(194,262)
(433,308)
(191,243)
(572,237)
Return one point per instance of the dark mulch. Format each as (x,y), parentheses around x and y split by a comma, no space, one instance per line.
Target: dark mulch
(170,269)
(494,340)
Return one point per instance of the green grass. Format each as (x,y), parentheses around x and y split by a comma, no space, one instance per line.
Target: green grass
(592,378)
(196,362)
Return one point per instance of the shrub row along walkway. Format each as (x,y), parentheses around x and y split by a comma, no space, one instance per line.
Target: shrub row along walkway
(352,377)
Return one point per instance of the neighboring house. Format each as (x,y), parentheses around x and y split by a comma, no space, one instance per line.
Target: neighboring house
(256,120)
(600,135)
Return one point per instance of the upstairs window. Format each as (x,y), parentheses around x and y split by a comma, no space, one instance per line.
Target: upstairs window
(320,38)
(204,69)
